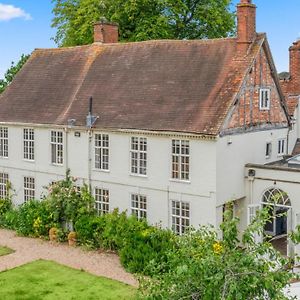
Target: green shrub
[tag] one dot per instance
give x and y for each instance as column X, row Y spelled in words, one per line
column 68, row 203
column 137, row 243
column 35, row 218
column 146, row 249
column 90, row 230
column 115, row 230
column 5, row 205
column 10, row 219
column 141, row 246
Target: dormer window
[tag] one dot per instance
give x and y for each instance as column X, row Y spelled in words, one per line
column 264, row 99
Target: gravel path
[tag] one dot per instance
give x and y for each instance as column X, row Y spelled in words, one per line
column 30, row 249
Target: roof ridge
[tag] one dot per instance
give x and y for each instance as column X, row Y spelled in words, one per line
column 162, row 41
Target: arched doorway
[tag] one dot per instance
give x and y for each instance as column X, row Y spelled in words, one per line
column 279, row 205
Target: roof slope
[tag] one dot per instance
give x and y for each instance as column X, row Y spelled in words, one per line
column 184, row 86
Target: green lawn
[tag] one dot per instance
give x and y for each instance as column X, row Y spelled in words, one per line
column 48, row 280
column 5, row 251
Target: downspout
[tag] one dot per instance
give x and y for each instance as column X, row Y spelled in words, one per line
column 90, row 121
column 66, row 150
column 287, row 141
column 90, row 137
column 251, row 192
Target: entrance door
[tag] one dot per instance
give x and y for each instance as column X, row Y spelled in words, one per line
column 280, row 224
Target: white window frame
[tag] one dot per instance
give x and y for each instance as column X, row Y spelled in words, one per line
column 138, row 156
column 29, row 188
column 139, row 206
column 180, row 216
column 28, row 144
column 264, row 98
column 281, row 146
column 4, row 142
column 253, row 209
column 101, row 151
column 268, row 147
column 3, row 185
column 180, row 160
column 101, row 200
column 57, row 147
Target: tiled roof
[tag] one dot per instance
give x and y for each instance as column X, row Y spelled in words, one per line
column 183, row 86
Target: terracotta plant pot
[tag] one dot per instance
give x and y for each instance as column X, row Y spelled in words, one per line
column 53, row 234
column 72, row 238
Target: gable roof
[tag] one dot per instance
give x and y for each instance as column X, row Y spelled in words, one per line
column 181, row 86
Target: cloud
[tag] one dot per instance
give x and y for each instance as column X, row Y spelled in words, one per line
column 8, row 12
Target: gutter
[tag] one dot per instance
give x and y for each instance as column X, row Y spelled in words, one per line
column 118, row 130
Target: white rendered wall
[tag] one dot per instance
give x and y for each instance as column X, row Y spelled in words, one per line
column 158, row 186
column 234, row 152
column 286, row 180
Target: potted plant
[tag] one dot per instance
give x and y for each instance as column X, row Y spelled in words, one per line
column 72, row 238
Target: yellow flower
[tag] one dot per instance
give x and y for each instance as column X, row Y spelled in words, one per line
column 37, row 223
column 217, row 247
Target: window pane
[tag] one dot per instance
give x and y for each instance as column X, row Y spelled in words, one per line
column 102, row 151
column 180, row 216
column 139, row 156
column 139, row 206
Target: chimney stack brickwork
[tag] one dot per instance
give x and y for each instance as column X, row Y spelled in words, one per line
column 246, row 23
column 106, row 32
column 291, row 86
column 295, row 67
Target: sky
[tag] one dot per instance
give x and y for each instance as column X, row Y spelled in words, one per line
column 26, row 25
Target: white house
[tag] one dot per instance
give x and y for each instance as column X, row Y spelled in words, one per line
column 173, row 131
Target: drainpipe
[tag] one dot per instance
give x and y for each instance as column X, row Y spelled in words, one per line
column 250, row 202
column 287, row 141
column 90, row 137
column 66, row 149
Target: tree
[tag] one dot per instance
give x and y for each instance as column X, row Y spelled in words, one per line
column 205, row 267
column 12, row 72
column 142, row 19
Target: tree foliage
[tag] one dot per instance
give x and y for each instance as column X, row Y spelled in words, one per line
column 204, row 266
column 142, row 19
column 12, row 71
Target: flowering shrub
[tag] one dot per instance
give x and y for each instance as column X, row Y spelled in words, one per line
column 63, row 205
column 68, row 203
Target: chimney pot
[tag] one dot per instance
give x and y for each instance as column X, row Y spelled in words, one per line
column 106, row 32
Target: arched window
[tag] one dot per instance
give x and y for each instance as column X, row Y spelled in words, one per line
column 276, row 196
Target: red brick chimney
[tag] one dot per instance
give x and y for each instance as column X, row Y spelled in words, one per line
column 291, row 85
column 106, row 32
column 295, row 68
column 246, row 23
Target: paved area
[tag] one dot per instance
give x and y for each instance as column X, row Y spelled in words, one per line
column 29, row 249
